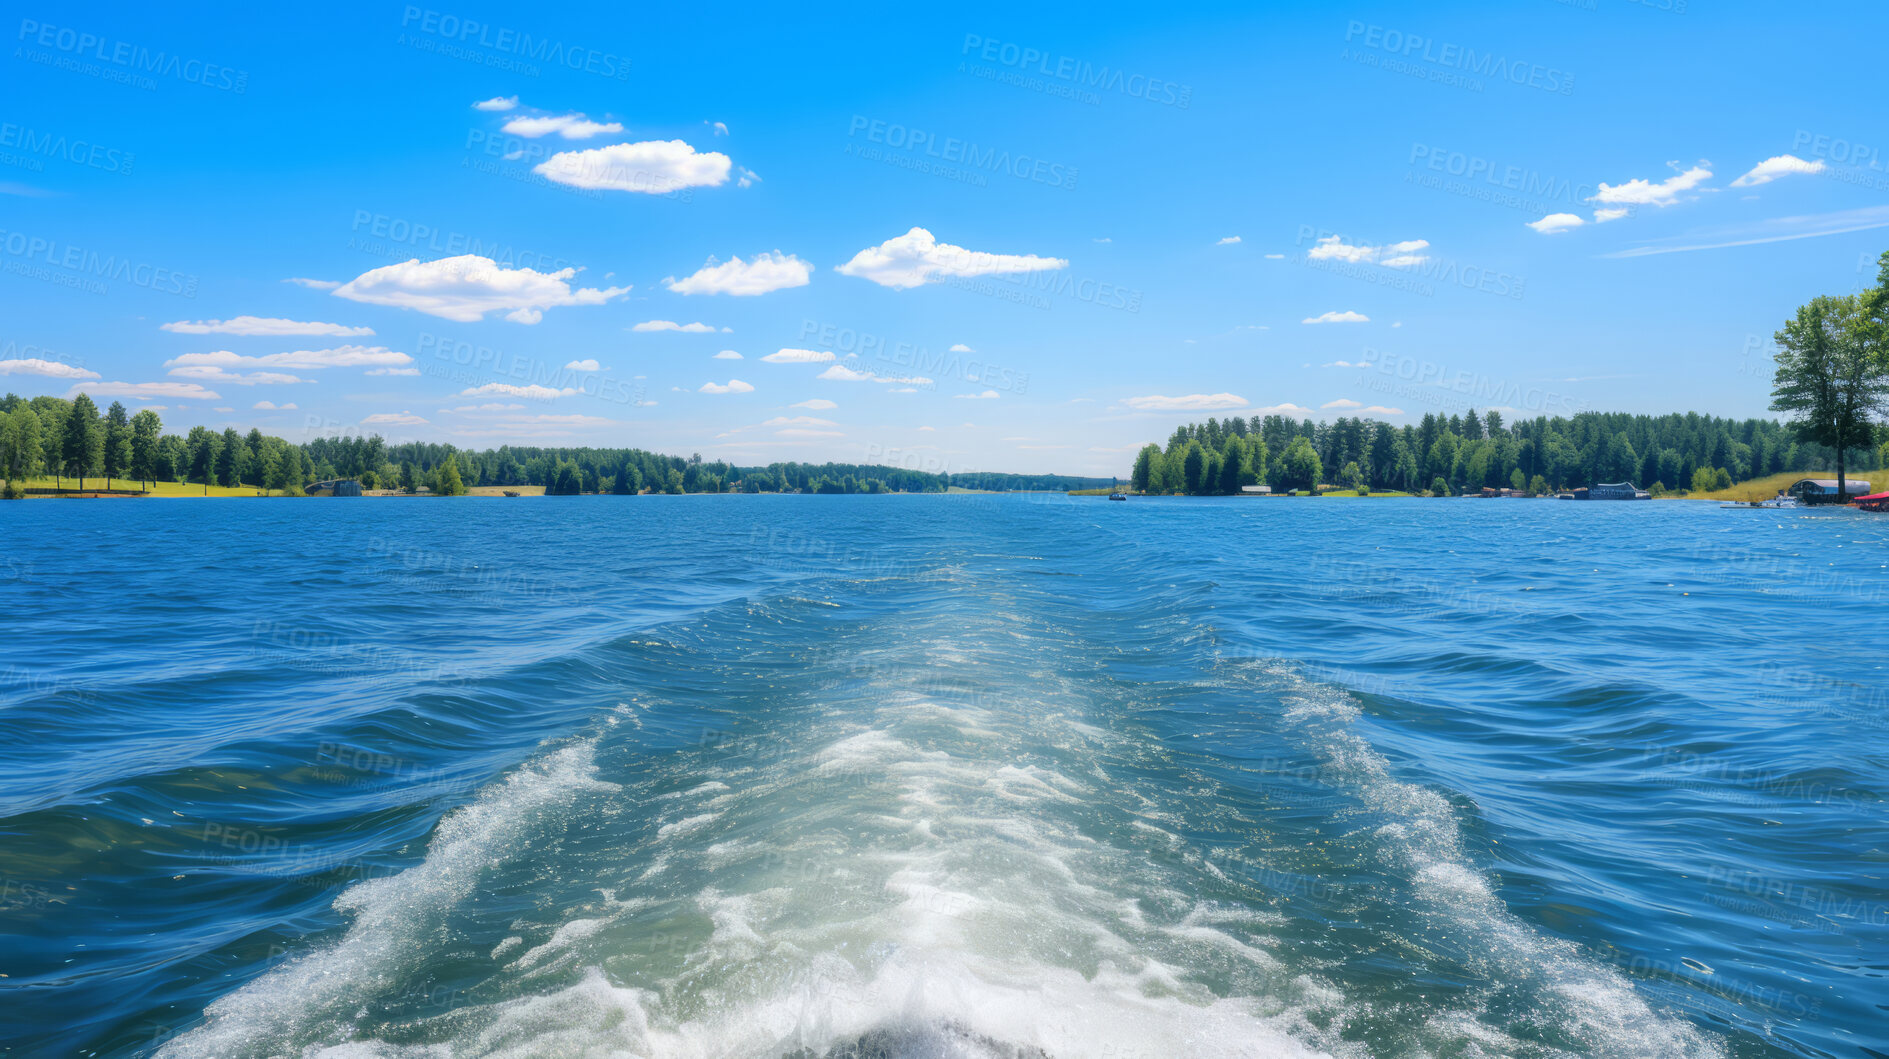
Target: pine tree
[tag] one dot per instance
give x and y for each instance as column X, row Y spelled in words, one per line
column 117, row 449
column 84, row 445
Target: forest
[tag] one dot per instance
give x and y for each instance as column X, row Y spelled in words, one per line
column 1450, row 455
column 61, row 439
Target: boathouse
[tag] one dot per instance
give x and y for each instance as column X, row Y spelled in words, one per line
column 1824, row 490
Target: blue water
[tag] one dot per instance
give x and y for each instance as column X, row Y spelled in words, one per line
column 942, row 776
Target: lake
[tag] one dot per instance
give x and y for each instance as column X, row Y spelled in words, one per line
column 956, row 775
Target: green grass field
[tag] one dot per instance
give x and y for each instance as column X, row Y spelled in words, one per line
column 155, row 488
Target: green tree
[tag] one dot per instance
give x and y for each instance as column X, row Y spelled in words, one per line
column 1517, row 480
column 117, row 450
column 1143, row 474
column 1538, row 486
column 369, row 480
column 84, row 446
column 21, row 449
column 146, row 431
column 1228, row 482
column 1354, row 479
column 446, row 480
column 1439, row 487
column 1193, row 468
column 1832, row 376
column 409, row 477
column 674, row 485
column 1300, row 466
column 229, row 458
column 203, row 447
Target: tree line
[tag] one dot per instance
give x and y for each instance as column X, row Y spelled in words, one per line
column 1449, row 455
column 70, row 439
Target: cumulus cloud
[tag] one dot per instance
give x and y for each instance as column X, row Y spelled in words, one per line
column 1603, row 216
column 987, row 395
column 587, row 364
column 767, row 272
column 959, row 347
column 1228, row 241
column 727, row 354
column 395, row 419
column 225, row 366
column 801, row 432
column 1776, row 166
column 842, row 373
column 52, row 369
column 1193, row 402
column 1639, row 192
column 181, row 391
column 262, row 325
column 1343, row 403
column 697, row 328
column 1557, row 222
column 799, row 421
column 734, row 386
column 1334, row 317
column 817, row 404
column 569, row 126
column 653, row 167
column 798, row 356
column 1378, row 409
column 313, row 284
column 1392, row 255
column 497, row 103
column 506, row 389
column 271, row 406
column 916, row 258
column 466, row 287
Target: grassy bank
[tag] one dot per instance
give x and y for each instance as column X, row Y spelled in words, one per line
column 1768, row 487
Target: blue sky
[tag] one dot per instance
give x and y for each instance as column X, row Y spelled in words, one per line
column 1125, row 217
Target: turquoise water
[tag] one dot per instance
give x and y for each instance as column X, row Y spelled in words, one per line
column 943, row 776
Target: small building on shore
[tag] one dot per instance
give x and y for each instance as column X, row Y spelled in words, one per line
column 1256, row 490
column 1824, row 490
column 1616, row 491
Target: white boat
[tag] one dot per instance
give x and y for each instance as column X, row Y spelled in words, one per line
column 1780, row 500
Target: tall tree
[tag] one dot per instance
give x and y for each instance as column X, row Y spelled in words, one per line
column 84, row 443
column 146, row 430
column 203, row 450
column 1829, row 379
column 230, row 458
column 117, row 449
column 20, row 445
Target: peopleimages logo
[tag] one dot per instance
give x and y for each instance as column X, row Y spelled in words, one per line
column 1078, row 72
column 132, row 57
column 470, row 32
column 964, row 153
column 1417, row 48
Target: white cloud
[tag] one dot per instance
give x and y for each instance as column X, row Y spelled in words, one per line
column 262, row 325
column 817, row 404
column 1343, row 364
column 1228, row 241
column 587, row 364
column 1772, row 168
column 52, row 369
column 1193, row 402
column 1378, row 409
column 915, row 259
column 987, row 395
column 1287, row 409
column 396, row 419
column 767, row 272
column 1639, row 192
column 1393, row 255
column 497, row 103
column 727, row 354
column 1342, row 402
column 569, row 126
column 721, row 129
column 271, row 406
column 466, row 287
column 1557, row 222
column 225, row 366
column 748, row 177
column 798, row 432
column 653, row 167
column 393, row 371
column 799, row 356
column 490, row 406
column 933, row 429
column 506, row 389
column 1275, row 257
column 959, row 347
column 799, row 421
column 1334, row 317
column 734, row 386
column 313, row 284
column 183, row 391
column 842, row 373
column 697, row 328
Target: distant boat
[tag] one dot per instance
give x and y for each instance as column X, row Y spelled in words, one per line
column 511, row 492
column 1116, row 496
